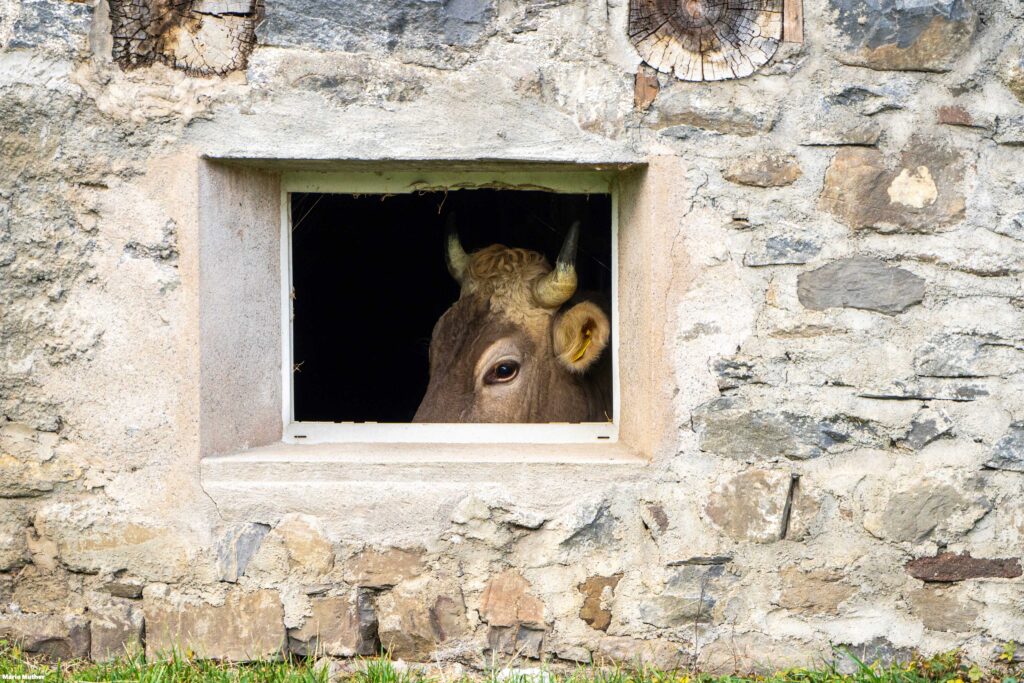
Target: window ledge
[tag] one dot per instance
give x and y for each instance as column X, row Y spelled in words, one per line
column 391, row 493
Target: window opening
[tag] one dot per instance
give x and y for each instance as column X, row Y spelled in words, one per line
column 369, row 281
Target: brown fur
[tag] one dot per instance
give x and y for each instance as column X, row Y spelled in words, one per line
column 504, row 277
column 496, row 310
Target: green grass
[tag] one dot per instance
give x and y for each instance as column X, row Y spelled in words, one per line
column 179, row 668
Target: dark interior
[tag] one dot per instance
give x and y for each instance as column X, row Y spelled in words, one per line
column 370, row 281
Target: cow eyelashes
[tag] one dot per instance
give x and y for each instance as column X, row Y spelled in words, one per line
column 502, row 372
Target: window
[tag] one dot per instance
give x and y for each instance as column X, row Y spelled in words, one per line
column 364, row 280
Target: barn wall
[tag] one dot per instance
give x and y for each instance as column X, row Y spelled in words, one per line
column 840, row 339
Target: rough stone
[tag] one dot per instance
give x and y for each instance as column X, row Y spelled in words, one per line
column 966, row 355
column 691, row 593
column 339, row 626
column 927, row 426
column 645, row 87
column 383, row 568
column 953, row 567
column 248, row 626
column 923, row 192
column 860, row 282
column 416, row 617
column 91, row 540
column 308, row 549
column 1010, row 130
column 14, row 551
column 61, row 27
column 701, row 109
column 404, row 24
column 53, row 637
column 31, row 462
column 124, row 588
column 730, row 429
column 942, row 609
column 517, row 641
column 764, row 169
column 654, row 518
column 658, row 653
column 41, row 591
column 914, row 514
column 750, row 506
column 507, row 601
column 597, row 592
column 1008, row 453
column 813, row 592
column 927, row 36
column 778, row 250
column 875, row 651
column 237, row 547
column 1011, row 226
column 115, row 631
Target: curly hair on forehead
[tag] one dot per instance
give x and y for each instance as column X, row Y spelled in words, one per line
column 505, row 275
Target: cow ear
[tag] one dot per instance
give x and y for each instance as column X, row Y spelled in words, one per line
column 580, row 336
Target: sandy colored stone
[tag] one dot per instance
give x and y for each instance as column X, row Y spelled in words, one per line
column 383, row 568
column 507, row 601
column 339, row 626
column 813, row 592
column 14, row 551
column 763, row 169
column 943, row 609
column 633, row 651
column 115, row 631
column 32, row 462
column 50, row 636
column 750, row 505
column 597, row 592
column 40, row 591
column 92, row 538
column 417, row 617
column 308, row 549
column 922, row 191
column 923, row 509
column 246, row 627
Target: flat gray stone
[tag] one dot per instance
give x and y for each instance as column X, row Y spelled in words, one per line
column 966, row 355
column 237, row 547
column 778, row 250
column 738, row 432
column 354, row 25
column 927, row 426
column 860, row 282
column 1008, row 453
column 55, row 24
column 1010, row 130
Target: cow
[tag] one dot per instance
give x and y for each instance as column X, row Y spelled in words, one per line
column 520, row 344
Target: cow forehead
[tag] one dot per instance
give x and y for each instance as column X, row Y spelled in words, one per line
column 504, row 278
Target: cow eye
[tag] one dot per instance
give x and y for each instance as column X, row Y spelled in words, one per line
column 504, row 371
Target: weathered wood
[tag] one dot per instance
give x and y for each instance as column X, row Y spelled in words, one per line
column 706, row 40
column 793, row 21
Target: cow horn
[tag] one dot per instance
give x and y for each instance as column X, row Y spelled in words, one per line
column 558, row 286
column 454, row 255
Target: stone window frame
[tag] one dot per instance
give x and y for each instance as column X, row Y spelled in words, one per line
column 231, row 252
column 402, row 181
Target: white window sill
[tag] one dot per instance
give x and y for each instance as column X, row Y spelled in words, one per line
column 389, row 493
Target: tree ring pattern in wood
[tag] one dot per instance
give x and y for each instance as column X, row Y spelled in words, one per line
column 705, row 40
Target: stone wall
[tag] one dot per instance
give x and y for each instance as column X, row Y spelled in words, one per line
column 844, row 332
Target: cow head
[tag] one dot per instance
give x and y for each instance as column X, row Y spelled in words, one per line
column 513, row 348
